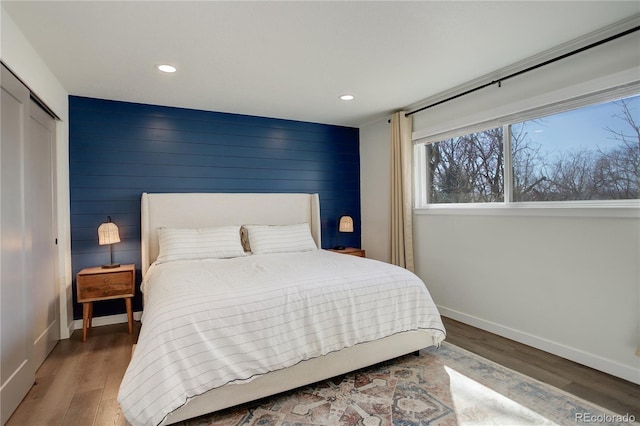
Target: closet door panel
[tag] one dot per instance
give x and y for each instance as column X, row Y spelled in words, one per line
column 16, row 329
column 40, row 209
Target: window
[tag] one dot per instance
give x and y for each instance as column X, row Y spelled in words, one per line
column 589, row 153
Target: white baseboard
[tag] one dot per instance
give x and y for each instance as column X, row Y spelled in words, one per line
column 67, row 331
column 606, row 365
column 107, row 320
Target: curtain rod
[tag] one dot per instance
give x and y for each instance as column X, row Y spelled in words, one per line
column 531, row 68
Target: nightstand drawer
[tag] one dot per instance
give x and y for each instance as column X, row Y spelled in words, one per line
column 100, row 286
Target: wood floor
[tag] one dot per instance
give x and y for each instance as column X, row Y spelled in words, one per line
column 78, row 383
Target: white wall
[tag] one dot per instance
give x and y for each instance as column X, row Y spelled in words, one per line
column 567, row 283
column 21, row 58
column 374, row 186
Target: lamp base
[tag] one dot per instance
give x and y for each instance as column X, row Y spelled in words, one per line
column 111, row 265
column 339, row 248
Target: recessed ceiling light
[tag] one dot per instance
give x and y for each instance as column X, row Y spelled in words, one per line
column 347, row 97
column 166, row 68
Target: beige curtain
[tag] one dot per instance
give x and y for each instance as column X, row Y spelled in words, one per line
column 401, row 229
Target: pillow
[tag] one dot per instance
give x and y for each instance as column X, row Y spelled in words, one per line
column 280, row 238
column 199, row 243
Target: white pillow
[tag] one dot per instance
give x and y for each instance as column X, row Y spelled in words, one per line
column 266, row 239
column 199, row 243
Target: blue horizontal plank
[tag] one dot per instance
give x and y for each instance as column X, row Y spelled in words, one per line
column 135, row 194
column 128, row 147
column 170, row 171
column 127, row 231
column 95, row 219
column 121, row 250
column 80, row 261
column 99, row 206
column 238, row 184
column 100, row 155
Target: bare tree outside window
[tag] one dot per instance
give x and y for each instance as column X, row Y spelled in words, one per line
column 467, row 169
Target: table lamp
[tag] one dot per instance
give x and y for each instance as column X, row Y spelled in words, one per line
column 346, row 225
column 108, row 234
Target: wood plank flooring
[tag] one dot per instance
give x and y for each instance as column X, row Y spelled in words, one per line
column 78, row 383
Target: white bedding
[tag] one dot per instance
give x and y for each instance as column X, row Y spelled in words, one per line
column 207, row 323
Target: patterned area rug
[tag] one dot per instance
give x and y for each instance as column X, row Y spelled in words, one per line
column 444, row 386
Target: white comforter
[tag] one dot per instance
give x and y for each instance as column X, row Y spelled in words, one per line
column 211, row 322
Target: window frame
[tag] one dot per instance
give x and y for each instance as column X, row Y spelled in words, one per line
column 599, row 208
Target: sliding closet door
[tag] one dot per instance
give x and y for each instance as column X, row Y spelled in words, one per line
column 40, row 218
column 17, row 369
column 28, row 291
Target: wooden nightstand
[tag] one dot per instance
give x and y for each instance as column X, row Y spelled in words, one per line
column 352, row 251
column 96, row 284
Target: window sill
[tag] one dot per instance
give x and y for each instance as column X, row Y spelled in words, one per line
column 619, row 209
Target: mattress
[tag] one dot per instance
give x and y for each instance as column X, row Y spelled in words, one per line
column 208, row 323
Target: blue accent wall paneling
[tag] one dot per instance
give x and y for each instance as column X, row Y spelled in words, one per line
column 118, row 150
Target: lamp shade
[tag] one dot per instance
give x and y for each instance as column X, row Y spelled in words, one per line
column 346, row 224
column 108, row 233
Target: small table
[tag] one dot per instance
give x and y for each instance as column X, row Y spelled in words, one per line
column 352, row 251
column 96, row 284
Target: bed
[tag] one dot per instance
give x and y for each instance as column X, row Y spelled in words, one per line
column 224, row 329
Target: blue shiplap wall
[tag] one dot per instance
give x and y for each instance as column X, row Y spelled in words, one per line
column 117, row 150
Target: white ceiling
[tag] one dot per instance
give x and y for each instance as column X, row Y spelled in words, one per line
column 293, row 59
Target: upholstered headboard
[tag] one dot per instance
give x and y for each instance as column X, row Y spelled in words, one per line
column 200, row 210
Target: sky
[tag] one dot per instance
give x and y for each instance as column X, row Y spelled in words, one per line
column 584, row 127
